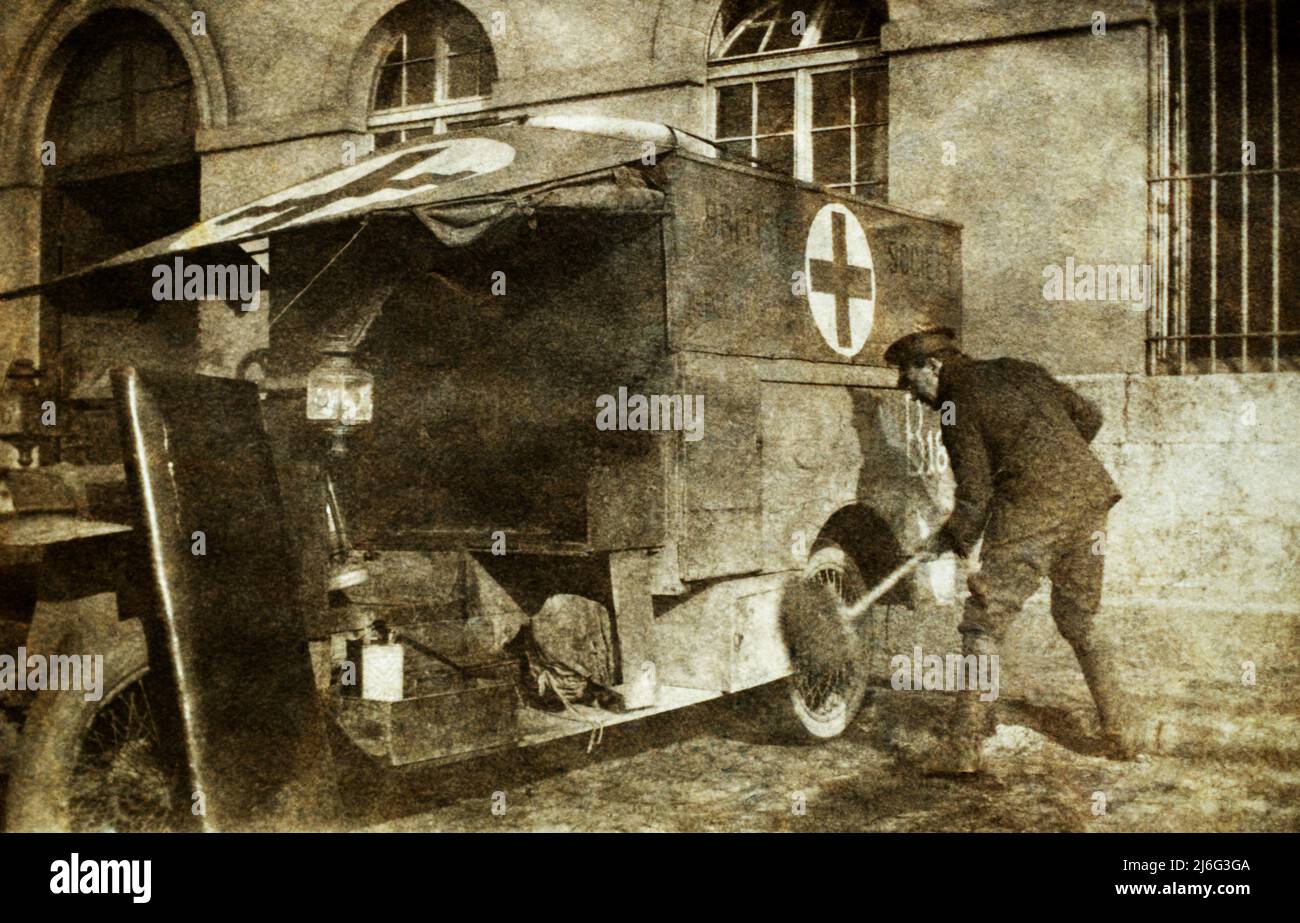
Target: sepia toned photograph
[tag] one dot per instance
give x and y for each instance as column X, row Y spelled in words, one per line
column 626, row 416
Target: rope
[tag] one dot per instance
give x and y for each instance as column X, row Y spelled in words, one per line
column 312, row 281
column 545, row 679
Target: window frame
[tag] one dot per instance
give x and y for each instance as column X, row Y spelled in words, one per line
column 801, row 66
column 1172, row 227
column 130, row 155
column 441, row 114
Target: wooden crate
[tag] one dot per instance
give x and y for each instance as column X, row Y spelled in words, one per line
column 444, row 715
column 443, row 726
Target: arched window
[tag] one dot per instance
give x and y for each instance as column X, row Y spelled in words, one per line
column 799, row 86
column 122, row 120
column 438, row 72
column 125, row 102
column 124, row 172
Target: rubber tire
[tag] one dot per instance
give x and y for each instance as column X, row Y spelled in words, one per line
column 829, row 725
column 50, row 743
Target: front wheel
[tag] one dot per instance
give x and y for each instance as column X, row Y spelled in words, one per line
column 98, row 766
column 824, row 706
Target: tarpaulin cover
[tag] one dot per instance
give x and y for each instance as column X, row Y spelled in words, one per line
column 459, row 223
column 457, row 184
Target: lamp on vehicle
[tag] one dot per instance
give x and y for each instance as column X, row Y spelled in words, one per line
column 340, row 397
column 339, row 394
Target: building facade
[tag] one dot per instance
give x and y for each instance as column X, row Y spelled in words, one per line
column 1125, row 173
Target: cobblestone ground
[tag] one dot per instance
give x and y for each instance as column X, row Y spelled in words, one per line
column 723, row 766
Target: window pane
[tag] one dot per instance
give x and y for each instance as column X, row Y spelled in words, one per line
column 388, row 91
column 163, row 117
column 1259, row 93
column 845, row 22
column 871, row 95
column 1197, row 269
column 878, row 191
column 1289, row 252
column 873, row 154
column 831, row 157
column 775, row 106
column 749, row 40
column 463, row 33
column 830, row 99
column 734, row 112
column 395, row 56
column 1288, row 76
column 783, row 36
column 777, row 153
column 421, row 42
column 1229, row 89
column 738, row 150
column 462, row 76
column 1197, row 78
column 420, row 80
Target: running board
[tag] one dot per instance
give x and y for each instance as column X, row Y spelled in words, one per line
column 537, row 727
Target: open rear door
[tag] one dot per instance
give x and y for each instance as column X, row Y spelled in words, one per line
column 198, row 461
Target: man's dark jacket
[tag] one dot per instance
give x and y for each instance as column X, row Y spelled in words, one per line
column 1018, row 442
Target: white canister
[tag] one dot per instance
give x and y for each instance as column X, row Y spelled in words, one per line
column 941, row 574
column 381, row 672
column 642, row 690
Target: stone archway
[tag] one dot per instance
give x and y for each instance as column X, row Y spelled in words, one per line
column 46, row 206
column 46, row 55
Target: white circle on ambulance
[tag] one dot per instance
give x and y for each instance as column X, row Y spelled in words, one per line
column 841, row 279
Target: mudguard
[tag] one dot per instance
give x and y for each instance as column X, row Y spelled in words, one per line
column 200, row 470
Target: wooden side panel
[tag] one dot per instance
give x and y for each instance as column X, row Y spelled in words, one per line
column 627, row 496
column 630, row 574
column 719, row 473
column 740, row 241
column 724, row 637
column 829, row 446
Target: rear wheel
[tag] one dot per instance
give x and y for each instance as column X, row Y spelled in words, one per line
column 98, row 766
column 826, row 705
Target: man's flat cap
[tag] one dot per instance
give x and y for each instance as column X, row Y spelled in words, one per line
column 915, row 348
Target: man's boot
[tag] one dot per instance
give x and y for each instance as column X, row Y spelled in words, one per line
column 1121, row 732
column 970, row 723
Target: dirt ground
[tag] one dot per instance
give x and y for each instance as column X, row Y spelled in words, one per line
column 723, row 766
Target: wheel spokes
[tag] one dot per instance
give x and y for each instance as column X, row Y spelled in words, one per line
column 823, row 694
column 120, row 781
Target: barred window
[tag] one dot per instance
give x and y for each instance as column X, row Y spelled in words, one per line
column 799, row 87
column 438, row 73
column 1225, row 188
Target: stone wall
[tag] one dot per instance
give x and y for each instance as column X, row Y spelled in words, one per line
column 1036, row 143
column 1211, row 508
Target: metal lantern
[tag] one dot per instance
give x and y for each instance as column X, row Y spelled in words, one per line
column 339, row 393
